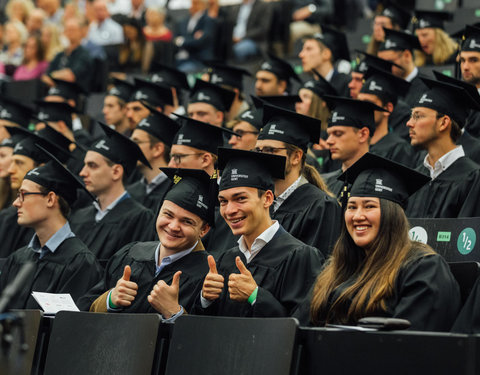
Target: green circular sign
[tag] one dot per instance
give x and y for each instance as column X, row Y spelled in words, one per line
column 466, row 241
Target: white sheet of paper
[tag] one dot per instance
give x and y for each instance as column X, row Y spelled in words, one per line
column 51, row 303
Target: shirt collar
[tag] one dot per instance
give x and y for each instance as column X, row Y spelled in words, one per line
column 259, row 242
column 283, row 197
column 329, row 75
column 112, row 205
column 53, row 242
column 171, row 258
column 444, row 162
column 412, row 75
column 156, row 181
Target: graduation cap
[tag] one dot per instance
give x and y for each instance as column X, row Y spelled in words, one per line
column 471, row 89
column 384, row 85
column 11, row 142
column 242, row 168
column 55, row 137
column 168, row 76
column 448, row 99
column 199, row 134
column 153, row 93
column 55, row 177
column 14, row 111
column 217, row 96
column 397, row 14
column 320, row 86
column 289, row 127
column 121, row 89
column 471, row 39
column 281, row 68
column 54, row 111
column 119, row 149
column 283, row 101
column 374, row 176
column 399, row 41
column 193, row 190
column 26, row 145
column 65, row 89
column 430, row 18
column 376, row 62
column 352, row 112
column 253, row 116
column 222, row 74
column 159, row 125
column 336, row 41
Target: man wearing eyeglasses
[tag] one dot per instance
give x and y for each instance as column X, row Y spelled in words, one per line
column 62, row 262
column 247, row 126
column 154, row 136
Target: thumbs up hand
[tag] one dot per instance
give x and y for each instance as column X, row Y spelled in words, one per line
column 213, row 283
column 241, row 285
column 125, row 291
column 164, row 297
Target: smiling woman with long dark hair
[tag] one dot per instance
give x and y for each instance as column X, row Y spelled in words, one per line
column 375, row 269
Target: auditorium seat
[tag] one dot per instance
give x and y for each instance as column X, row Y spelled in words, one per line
column 466, row 273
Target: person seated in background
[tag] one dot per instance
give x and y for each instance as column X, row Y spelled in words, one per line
column 34, row 64
column 155, row 29
column 103, row 30
column 131, row 54
column 375, row 269
column 11, row 55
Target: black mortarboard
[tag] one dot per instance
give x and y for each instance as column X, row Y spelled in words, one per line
column 55, row 177
column 217, row 96
column 371, row 60
column 336, row 41
column 14, row 111
column 399, row 41
column 447, row 99
column 119, row 149
column 281, row 68
column 168, row 76
column 398, row 14
column 57, row 138
column 54, row 111
column 385, row 85
column 374, row 176
column 200, row 135
column 430, row 18
column 471, row 39
column 289, row 127
column 12, row 141
column 283, row 101
column 352, row 112
column 320, row 86
column 65, row 89
column 159, row 125
column 222, row 74
column 121, row 89
column 242, row 168
column 253, row 116
column 26, row 146
column 193, row 190
column 471, row 89
column 154, row 94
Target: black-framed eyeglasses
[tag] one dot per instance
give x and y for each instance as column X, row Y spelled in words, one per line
column 241, row 133
column 177, row 158
column 138, row 142
column 22, row 194
column 268, row 149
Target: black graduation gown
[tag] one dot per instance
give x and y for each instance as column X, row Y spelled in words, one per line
column 333, row 183
column 340, row 83
column 284, row 271
column 219, row 238
column 452, row 194
column 152, row 201
column 311, row 216
column 471, row 146
column 425, row 293
column 71, row 269
column 397, row 121
column 328, row 164
column 129, row 221
column 395, row 148
column 472, row 123
column 468, row 320
column 12, row 235
column 416, row 90
column 140, row 256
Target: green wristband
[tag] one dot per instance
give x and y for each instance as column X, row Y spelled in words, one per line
column 110, row 303
column 253, row 296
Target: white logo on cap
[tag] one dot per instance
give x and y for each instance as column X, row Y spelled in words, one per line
column 473, row 44
column 216, row 78
column 5, row 114
column 388, row 13
column 390, row 44
column 336, row 117
column 266, row 66
column 318, row 36
column 43, row 116
column 273, row 130
column 425, row 99
column 157, row 78
column 202, row 96
column 423, row 24
column 248, row 114
column 34, row 172
column 140, row 95
column 380, row 187
column 235, row 175
column 363, row 67
column 181, row 140
column 145, row 123
column 114, row 91
column 309, row 84
column 200, row 203
column 373, row 86
column 53, row 91
column 101, row 144
column 18, row 147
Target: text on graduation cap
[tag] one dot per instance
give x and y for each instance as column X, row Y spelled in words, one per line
column 425, row 99
column 101, row 144
column 373, row 86
column 473, row 44
column 336, row 117
column 248, row 114
column 235, row 175
column 273, row 130
column 200, row 203
column 380, row 187
column 181, row 140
